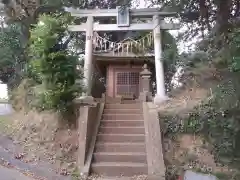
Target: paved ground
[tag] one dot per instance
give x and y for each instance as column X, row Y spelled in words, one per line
column 5, row 109
column 12, row 174
column 9, row 173
column 39, row 169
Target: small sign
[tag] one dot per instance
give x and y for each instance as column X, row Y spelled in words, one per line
column 123, row 16
column 89, row 37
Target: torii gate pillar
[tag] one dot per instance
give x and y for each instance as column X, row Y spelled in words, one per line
column 88, row 60
column 160, row 84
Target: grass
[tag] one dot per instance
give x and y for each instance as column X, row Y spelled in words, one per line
column 75, row 174
column 222, row 176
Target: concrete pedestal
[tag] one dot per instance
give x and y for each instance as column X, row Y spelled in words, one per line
column 158, row 99
column 85, row 100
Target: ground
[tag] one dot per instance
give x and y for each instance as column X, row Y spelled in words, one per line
column 12, row 174
column 33, row 142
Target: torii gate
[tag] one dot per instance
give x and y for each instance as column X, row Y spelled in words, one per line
column 124, row 17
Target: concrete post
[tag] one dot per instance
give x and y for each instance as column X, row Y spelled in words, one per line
column 88, row 61
column 83, row 105
column 160, row 95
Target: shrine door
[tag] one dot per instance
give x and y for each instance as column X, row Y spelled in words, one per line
column 127, row 83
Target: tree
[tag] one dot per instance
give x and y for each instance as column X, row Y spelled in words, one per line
column 12, row 55
column 52, row 65
column 206, row 12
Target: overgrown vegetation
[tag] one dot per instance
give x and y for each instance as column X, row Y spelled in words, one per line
column 12, row 55
column 216, row 118
column 235, row 49
column 52, row 65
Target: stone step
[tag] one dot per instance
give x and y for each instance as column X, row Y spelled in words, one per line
column 122, row 116
column 120, row 147
column 121, row 123
column 121, row 138
column 123, row 106
column 119, row 169
column 121, row 130
column 122, row 111
column 129, row 101
column 120, row 157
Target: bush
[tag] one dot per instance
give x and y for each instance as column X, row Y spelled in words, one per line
column 52, row 65
column 218, row 120
column 235, row 50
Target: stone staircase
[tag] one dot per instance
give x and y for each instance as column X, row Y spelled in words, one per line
column 120, row 146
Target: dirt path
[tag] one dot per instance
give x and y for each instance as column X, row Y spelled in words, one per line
column 36, row 170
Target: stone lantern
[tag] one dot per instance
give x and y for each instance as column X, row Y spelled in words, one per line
column 145, row 75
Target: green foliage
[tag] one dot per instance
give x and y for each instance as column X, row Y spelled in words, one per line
column 11, row 53
column 235, row 49
column 170, row 49
column 219, row 120
column 52, row 65
column 194, row 58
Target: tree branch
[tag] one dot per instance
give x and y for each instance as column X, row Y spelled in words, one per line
column 19, row 2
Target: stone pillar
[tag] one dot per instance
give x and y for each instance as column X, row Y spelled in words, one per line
column 83, row 104
column 145, row 94
column 88, row 61
column 160, row 85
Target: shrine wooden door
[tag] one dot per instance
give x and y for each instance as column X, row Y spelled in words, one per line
column 127, row 83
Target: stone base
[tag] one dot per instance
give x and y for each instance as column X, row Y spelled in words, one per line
column 145, row 96
column 160, row 99
column 85, row 100
column 156, row 177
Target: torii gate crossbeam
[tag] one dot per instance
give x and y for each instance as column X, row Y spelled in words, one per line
column 132, row 27
column 144, row 12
